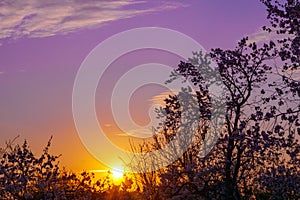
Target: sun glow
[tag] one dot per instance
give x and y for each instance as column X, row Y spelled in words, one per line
column 117, row 172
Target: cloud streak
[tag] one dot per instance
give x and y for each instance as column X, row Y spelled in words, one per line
column 159, row 99
column 34, row 18
column 264, row 36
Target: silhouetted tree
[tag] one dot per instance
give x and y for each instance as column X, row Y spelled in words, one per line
column 257, row 153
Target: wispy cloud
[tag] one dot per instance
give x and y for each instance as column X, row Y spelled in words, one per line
column 1, row 72
column 259, row 36
column 35, row 18
column 138, row 133
column 108, row 125
column 159, row 99
column 98, row 171
column 264, row 36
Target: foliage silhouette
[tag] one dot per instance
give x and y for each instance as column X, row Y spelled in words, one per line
column 257, row 154
column 24, row 175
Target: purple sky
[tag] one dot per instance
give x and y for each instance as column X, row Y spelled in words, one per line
column 43, row 44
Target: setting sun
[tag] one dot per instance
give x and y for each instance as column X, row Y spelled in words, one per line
column 117, row 172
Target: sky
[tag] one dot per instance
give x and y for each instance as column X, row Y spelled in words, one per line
column 43, row 44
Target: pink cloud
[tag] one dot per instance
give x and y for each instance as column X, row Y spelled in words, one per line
column 36, row 18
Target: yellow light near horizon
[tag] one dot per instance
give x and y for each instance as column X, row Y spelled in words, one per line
column 117, row 172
